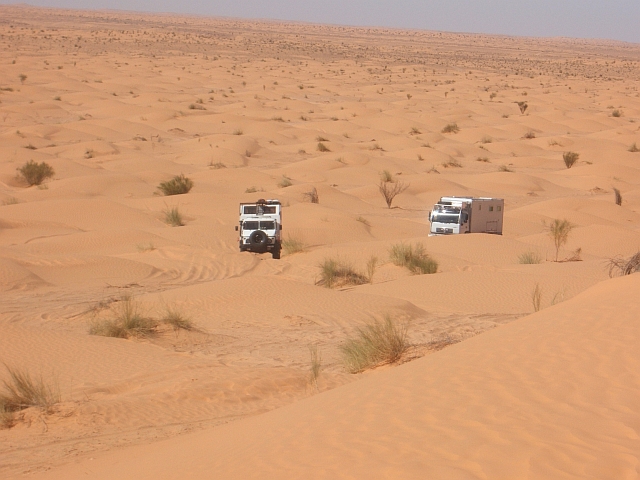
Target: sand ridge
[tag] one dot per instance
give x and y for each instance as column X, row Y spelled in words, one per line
column 118, row 102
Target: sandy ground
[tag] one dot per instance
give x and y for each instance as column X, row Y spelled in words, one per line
column 117, row 103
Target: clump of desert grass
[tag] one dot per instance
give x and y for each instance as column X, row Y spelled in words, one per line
column 284, row 182
column 176, row 319
column 451, row 128
column 35, row 173
column 620, row 266
column 173, row 217
column 22, row 391
column 316, row 364
column 618, row 196
column 559, row 232
column 504, row 168
column 293, row 244
column 178, row 185
column 321, row 147
column 338, row 273
column 530, row 258
column 413, row 257
column 379, row 342
column 127, row 320
column 634, row 148
column 312, row 195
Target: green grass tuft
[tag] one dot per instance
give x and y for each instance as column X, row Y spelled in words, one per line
column 126, row 322
column 178, row 185
column 22, row 391
column 414, row 258
column 336, row 273
column 530, row 258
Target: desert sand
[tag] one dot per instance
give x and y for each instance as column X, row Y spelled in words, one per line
column 490, row 388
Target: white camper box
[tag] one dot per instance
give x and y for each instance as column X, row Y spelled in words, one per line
column 454, row 215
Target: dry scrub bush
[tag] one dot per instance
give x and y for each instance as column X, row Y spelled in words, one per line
column 634, row 148
column 559, row 232
column 312, row 195
column 390, row 190
column 536, row 298
column 379, row 342
column 178, row 185
column 322, row 147
column 570, row 158
column 173, row 217
column 316, row 364
column 504, row 168
column 372, row 263
column 620, row 266
column 292, row 245
column 337, row 273
column 451, row 128
column 413, row 257
column 530, row 134
column 523, row 106
column 284, row 182
column 22, row 391
column 386, row 176
column 35, row 173
column 618, row 196
column 127, row 322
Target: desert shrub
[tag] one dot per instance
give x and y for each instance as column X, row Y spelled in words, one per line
column 451, row 128
column 22, row 77
column 176, row 186
column 284, row 182
column 176, row 319
column 196, row 106
column 634, row 148
column 173, row 217
column 217, row 165
column 530, row 258
column 414, row 130
column 238, row 131
column 570, row 158
column 530, row 134
column 486, row 139
column 616, row 113
column 277, row 119
column 10, row 201
column 251, row 190
column 559, row 232
column 386, row 176
column 536, row 298
column 483, row 159
column 413, row 257
column 35, row 173
column 316, row 364
column 6, row 417
column 22, row 391
column 320, row 138
column 127, row 321
column 292, row 245
column 363, row 221
column 618, row 196
column 504, row 168
column 452, row 162
column 390, row 190
column 336, row 273
column 322, row 147
column 312, row 195
column 522, row 106
column 381, row 341
column 372, row 263
column 620, row 266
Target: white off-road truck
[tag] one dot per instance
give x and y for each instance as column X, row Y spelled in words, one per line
column 455, row 215
column 261, row 227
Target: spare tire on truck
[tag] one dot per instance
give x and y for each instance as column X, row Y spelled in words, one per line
column 258, row 239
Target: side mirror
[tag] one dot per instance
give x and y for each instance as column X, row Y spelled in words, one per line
column 236, row 228
column 280, row 227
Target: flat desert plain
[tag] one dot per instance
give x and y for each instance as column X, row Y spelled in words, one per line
column 518, row 365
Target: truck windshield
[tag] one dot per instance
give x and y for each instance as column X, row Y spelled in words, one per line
column 255, row 225
column 445, row 218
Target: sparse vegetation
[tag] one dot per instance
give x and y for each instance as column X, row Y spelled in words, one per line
column 379, row 342
column 570, row 158
column 176, row 319
column 529, row 135
column 10, row 201
column 127, row 321
column 618, row 196
column 620, row 266
column 486, row 139
column 35, row 173
column 390, row 190
column 22, row 391
column 173, row 217
column 451, row 128
column 536, row 298
column 316, row 364
column 483, row 159
column 616, row 113
column 504, row 168
column 452, row 162
column 284, row 182
column 293, row 244
column 634, row 148
column 277, row 119
column 320, row 138
column 386, row 176
column 322, row 147
column 217, row 165
column 372, row 263
column 251, row 190
column 413, row 257
column 178, row 185
column 522, row 106
column 415, row 130
column 312, row 195
column 559, row 232
column 337, row 273
column 363, row 221
column 530, row 258
column 22, row 77
column 238, row 131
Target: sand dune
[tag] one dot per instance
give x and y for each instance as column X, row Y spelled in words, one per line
column 117, row 103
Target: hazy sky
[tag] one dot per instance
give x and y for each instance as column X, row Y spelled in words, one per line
column 615, row 19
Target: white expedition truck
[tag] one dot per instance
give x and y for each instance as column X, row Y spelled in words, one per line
column 261, row 227
column 453, row 215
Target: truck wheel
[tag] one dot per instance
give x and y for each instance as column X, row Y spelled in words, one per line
column 275, row 253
